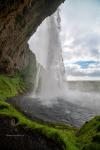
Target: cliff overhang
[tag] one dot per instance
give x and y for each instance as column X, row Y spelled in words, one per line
column 18, row 21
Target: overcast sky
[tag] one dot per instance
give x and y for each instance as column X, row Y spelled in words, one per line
column 80, row 21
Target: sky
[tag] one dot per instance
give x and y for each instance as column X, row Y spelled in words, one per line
column 80, row 35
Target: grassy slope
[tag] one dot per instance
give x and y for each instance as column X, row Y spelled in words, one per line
column 89, row 135
column 10, row 86
column 87, row 138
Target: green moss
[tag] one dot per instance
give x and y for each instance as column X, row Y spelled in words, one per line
column 10, row 86
column 89, row 135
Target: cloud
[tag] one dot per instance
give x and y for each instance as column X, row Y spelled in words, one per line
column 75, row 69
column 86, row 47
column 81, row 37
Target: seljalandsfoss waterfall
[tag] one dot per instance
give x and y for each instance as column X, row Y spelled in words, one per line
column 46, row 46
column 51, row 99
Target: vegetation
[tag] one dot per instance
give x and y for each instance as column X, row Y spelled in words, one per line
column 10, row 86
column 86, row 138
column 89, row 135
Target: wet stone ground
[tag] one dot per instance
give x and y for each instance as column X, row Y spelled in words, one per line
column 60, row 112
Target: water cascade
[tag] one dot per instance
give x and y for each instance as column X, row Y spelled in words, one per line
column 50, row 84
column 46, row 46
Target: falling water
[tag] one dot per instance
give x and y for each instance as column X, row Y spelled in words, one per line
column 50, row 85
column 46, row 46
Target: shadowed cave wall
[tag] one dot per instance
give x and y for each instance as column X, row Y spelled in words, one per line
column 18, row 21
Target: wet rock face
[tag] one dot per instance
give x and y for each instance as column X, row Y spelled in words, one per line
column 18, row 21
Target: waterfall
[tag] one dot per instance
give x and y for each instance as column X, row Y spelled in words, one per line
column 49, row 84
column 46, row 46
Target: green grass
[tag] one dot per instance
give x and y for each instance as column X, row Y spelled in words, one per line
column 85, row 138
